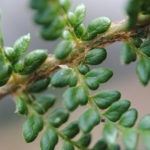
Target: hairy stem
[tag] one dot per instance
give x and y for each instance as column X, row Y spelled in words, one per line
column 117, row 32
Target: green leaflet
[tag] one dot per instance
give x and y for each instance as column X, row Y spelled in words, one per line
column 10, row 54
column 96, row 76
column 82, row 95
column 92, row 83
column 75, row 96
column 80, row 13
column 58, row 117
column 32, row 126
column 102, row 74
column 63, row 49
column 45, row 16
column 32, row 61
column 127, row 53
column 95, row 56
column 66, row 35
column 70, row 100
column 73, row 79
column 79, row 30
column 146, row 139
column 110, row 133
column 19, row 49
column 144, row 123
column 72, row 18
column 67, row 146
column 49, row 140
column 129, row 118
column 61, row 78
column 64, row 77
column 85, row 140
column 39, row 85
column 88, row 120
column 53, row 30
column 132, row 10
column 83, row 69
column 38, row 4
column 42, row 104
column 145, row 7
column 21, row 106
column 78, row 16
column 117, row 109
column 5, row 73
column 18, row 67
column 65, row 4
column 145, row 47
column 96, row 26
column 130, row 139
column 136, row 41
column 71, row 130
column 143, row 70
column 100, row 145
column 106, row 98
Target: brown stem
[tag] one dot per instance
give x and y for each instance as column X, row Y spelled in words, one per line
column 117, row 32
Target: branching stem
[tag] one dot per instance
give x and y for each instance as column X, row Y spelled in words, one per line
column 117, row 32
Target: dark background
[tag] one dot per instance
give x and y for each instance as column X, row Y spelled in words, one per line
column 17, row 21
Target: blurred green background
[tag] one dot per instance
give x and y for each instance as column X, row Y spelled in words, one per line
column 17, row 21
